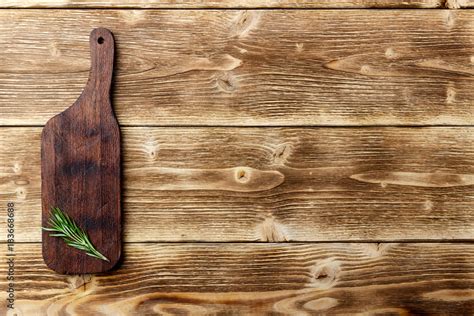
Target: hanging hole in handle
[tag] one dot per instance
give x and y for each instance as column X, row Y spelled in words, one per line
column 100, row 40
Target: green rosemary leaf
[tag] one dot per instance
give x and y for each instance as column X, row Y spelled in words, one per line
column 64, row 227
column 57, row 235
column 50, row 229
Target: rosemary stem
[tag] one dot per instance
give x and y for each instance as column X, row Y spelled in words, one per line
column 63, row 226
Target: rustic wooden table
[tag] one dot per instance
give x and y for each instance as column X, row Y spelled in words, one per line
column 287, row 157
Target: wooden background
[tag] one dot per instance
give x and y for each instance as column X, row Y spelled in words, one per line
column 280, row 157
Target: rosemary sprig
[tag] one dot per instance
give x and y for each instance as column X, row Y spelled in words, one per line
column 63, row 226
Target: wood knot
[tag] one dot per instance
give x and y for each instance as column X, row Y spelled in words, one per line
column 428, row 205
column 17, row 168
column 238, row 179
column 374, row 250
column 299, row 47
column 281, row 154
column 75, row 282
column 450, row 95
column 454, row 4
column 272, row 231
column 390, row 53
column 365, row 70
column 226, row 82
column 325, row 273
column 54, row 50
column 244, row 22
column 450, row 19
column 83, row 283
column 151, row 148
column 133, row 17
column 21, row 193
column 89, row 283
column 242, row 175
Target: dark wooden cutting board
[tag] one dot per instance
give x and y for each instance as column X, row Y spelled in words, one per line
column 80, row 168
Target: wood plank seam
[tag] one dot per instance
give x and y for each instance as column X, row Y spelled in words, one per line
column 230, row 5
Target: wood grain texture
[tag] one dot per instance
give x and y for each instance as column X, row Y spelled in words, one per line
column 150, row 4
column 80, row 169
column 459, row 4
column 256, row 67
column 273, row 184
column 256, row 279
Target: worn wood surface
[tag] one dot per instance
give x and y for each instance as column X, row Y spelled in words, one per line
column 273, row 184
column 261, row 186
column 458, row 4
column 256, row 279
column 80, row 168
column 149, row 4
column 257, row 67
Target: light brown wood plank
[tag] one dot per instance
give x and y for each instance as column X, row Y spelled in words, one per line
column 254, row 279
column 273, row 184
column 186, row 4
column 236, row 67
column 459, row 4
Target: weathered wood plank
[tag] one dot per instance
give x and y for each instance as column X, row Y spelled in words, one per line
column 255, row 279
column 459, row 4
column 273, row 184
column 235, row 67
column 150, row 4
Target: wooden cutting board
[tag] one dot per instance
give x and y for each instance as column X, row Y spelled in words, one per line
column 80, row 168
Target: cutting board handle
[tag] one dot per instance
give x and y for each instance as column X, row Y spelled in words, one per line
column 102, row 61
